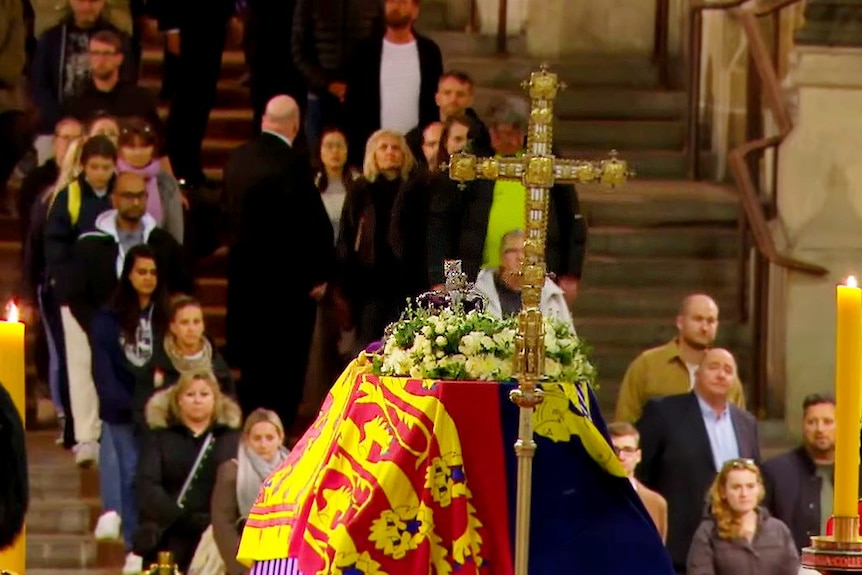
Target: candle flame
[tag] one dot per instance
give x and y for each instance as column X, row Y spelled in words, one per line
column 851, row 282
column 11, row 312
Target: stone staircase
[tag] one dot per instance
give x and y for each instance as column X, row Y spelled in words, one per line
column 64, row 506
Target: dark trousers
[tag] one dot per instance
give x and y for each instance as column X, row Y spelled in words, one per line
column 51, row 321
column 273, row 376
column 12, row 145
column 199, row 67
column 269, row 76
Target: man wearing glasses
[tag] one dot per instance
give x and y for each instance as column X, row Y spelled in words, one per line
column 626, row 441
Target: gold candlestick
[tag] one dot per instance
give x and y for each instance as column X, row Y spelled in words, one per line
column 164, row 565
column 842, row 551
column 538, row 169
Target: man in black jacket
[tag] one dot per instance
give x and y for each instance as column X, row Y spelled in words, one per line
column 799, row 483
column 326, row 34
column 454, row 97
column 98, row 255
column 393, row 80
column 268, row 187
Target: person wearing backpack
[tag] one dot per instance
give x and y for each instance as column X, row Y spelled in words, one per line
column 73, row 212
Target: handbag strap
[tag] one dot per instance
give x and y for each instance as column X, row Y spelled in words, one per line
column 202, row 453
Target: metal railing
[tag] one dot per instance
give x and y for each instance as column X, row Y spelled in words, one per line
column 744, row 161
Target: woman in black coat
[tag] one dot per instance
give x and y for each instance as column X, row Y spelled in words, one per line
column 190, row 423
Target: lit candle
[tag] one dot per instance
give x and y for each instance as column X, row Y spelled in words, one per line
column 12, row 377
column 848, row 397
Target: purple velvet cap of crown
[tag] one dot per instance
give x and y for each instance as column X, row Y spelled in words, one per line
column 374, row 347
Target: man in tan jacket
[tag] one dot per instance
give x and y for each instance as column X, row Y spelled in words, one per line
column 669, row 369
column 626, row 441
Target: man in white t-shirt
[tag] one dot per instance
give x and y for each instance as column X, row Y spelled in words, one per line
column 393, row 79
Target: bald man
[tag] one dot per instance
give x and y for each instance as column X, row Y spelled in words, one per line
column 269, row 195
column 670, row 369
column 686, row 439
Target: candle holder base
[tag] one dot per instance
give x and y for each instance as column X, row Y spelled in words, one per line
column 831, row 557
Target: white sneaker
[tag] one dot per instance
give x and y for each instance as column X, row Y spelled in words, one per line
column 108, row 526
column 134, row 564
column 87, row 454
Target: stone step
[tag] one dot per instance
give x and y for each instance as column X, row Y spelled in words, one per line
column 601, row 102
column 229, row 94
column 61, row 516
column 575, row 71
column 212, row 291
column 659, row 203
column 637, row 302
column 71, row 551
column 10, row 229
column 226, row 123
column 707, row 242
column 684, row 273
column 622, row 135
column 232, row 63
column 76, row 484
column 645, row 333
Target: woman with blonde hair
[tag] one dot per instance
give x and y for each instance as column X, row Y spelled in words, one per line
column 374, row 278
column 739, row 537
column 261, row 451
column 193, row 430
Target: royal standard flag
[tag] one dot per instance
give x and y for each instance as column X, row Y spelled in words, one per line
column 403, row 476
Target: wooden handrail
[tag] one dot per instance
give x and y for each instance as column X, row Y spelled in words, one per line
column 660, row 53
column 502, row 28
column 738, row 157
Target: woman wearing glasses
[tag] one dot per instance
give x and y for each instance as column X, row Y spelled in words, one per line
column 739, row 537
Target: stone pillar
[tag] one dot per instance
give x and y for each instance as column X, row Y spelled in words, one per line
column 820, row 195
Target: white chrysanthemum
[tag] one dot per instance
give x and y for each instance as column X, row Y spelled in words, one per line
column 486, row 342
column 440, row 341
column 470, row 344
column 397, row 363
column 483, row 367
column 421, row 346
column 551, row 345
column 426, row 331
column 505, row 338
column 552, row 368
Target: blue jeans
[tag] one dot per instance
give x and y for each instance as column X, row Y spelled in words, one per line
column 118, row 465
column 55, row 360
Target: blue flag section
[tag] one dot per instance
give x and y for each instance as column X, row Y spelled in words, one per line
column 584, row 520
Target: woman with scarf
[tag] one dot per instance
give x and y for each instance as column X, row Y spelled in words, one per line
column 187, row 350
column 137, row 154
column 260, row 452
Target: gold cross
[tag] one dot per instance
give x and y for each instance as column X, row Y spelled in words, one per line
column 538, row 169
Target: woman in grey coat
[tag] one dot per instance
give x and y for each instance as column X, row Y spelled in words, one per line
column 739, row 537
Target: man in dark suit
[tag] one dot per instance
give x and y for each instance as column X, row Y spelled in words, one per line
column 268, row 188
column 685, row 439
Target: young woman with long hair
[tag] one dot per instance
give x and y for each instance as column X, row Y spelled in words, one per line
column 740, row 537
column 122, row 339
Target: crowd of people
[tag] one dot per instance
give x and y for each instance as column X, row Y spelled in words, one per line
column 344, row 173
